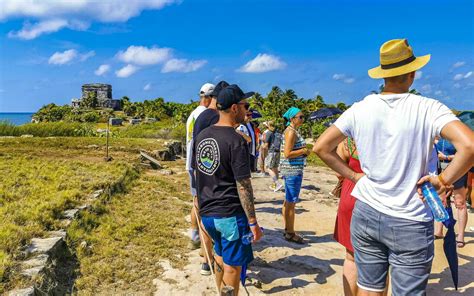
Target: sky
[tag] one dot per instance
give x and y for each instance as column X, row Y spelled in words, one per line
column 168, row 48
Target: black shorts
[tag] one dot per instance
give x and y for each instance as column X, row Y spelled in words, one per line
column 462, row 182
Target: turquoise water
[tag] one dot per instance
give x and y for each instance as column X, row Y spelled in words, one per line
column 16, row 118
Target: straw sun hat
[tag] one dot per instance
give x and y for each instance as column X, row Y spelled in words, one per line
column 396, row 58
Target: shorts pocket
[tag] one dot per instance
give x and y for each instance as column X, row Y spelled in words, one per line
column 411, row 244
column 228, row 228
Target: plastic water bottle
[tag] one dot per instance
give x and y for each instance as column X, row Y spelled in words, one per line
column 434, row 202
column 248, row 238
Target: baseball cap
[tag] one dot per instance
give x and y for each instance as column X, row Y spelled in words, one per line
column 220, row 86
column 206, row 89
column 231, row 95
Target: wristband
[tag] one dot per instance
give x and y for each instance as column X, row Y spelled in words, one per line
column 442, row 180
column 253, row 224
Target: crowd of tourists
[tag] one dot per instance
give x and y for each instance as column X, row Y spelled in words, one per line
column 383, row 148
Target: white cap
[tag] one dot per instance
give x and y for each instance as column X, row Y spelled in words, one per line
column 207, row 89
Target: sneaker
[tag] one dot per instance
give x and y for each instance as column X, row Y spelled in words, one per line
column 278, row 187
column 471, row 228
column 259, row 175
column 205, row 269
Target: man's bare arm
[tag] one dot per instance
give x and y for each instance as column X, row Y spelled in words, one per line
column 247, row 199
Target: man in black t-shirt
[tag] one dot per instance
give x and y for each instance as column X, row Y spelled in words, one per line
column 225, row 195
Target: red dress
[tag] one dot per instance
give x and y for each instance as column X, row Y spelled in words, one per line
column 342, row 229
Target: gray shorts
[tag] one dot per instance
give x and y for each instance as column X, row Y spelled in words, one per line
column 381, row 241
column 272, row 160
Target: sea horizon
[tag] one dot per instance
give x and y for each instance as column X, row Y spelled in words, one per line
column 16, row 118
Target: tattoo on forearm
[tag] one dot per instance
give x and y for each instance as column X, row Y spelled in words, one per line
column 246, row 197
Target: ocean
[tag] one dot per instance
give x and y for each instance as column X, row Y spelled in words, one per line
column 17, row 118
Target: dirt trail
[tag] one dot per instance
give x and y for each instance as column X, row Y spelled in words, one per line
column 282, row 268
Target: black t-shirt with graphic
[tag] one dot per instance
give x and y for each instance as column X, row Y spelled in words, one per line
column 221, row 157
column 207, row 118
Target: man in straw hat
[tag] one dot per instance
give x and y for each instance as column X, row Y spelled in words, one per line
column 391, row 225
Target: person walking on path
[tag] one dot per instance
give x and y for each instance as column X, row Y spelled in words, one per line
column 225, row 194
column 292, row 163
column 446, row 153
column 272, row 141
column 391, row 225
column 205, row 100
column 263, row 149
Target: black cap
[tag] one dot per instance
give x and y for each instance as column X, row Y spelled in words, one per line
column 220, row 86
column 231, row 95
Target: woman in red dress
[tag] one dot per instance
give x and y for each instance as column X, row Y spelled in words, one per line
column 342, row 230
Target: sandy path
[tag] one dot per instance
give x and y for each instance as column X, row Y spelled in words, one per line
column 315, row 268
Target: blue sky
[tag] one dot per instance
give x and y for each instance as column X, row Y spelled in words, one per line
column 166, row 48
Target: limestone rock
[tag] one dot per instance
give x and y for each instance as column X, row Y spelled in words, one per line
column 48, row 246
column 175, row 146
column 70, row 214
column 165, row 155
column 23, row 292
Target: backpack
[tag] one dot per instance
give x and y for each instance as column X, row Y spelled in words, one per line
column 275, row 142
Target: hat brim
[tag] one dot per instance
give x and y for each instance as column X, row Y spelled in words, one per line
column 248, row 95
column 417, row 64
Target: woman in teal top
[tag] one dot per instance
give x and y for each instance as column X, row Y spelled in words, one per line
column 292, row 163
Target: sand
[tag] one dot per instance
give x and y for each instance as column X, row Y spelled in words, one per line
column 283, row 268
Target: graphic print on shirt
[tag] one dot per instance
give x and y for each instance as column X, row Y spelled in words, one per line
column 207, row 156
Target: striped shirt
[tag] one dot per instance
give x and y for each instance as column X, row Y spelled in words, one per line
column 292, row 166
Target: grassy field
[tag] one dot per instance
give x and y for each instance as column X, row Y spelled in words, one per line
column 42, row 177
column 166, row 129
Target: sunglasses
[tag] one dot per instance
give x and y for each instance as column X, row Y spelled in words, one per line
column 246, row 105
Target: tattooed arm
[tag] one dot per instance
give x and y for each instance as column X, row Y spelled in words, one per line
column 247, row 200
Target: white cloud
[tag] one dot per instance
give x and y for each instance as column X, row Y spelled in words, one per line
column 338, row 76
column 147, row 86
column 461, row 76
column 457, row 85
column 102, row 70
column 126, row 71
column 29, row 31
column 61, row 58
column 426, row 89
column 438, row 92
column 182, row 65
column 52, row 14
column 343, row 77
column 349, row 80
column 69, row 56
column 104, row 11
column 263, row 63
column 459, row 64
column 141, row 55
column 418, row 75
column 86, row 56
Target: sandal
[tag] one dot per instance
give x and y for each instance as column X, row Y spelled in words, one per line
column 294, row 238
column 460, row 244
column 438, row 236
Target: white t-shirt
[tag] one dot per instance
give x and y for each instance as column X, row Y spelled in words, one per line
column 248, row 130
column 189, row 134
column 394, row 136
